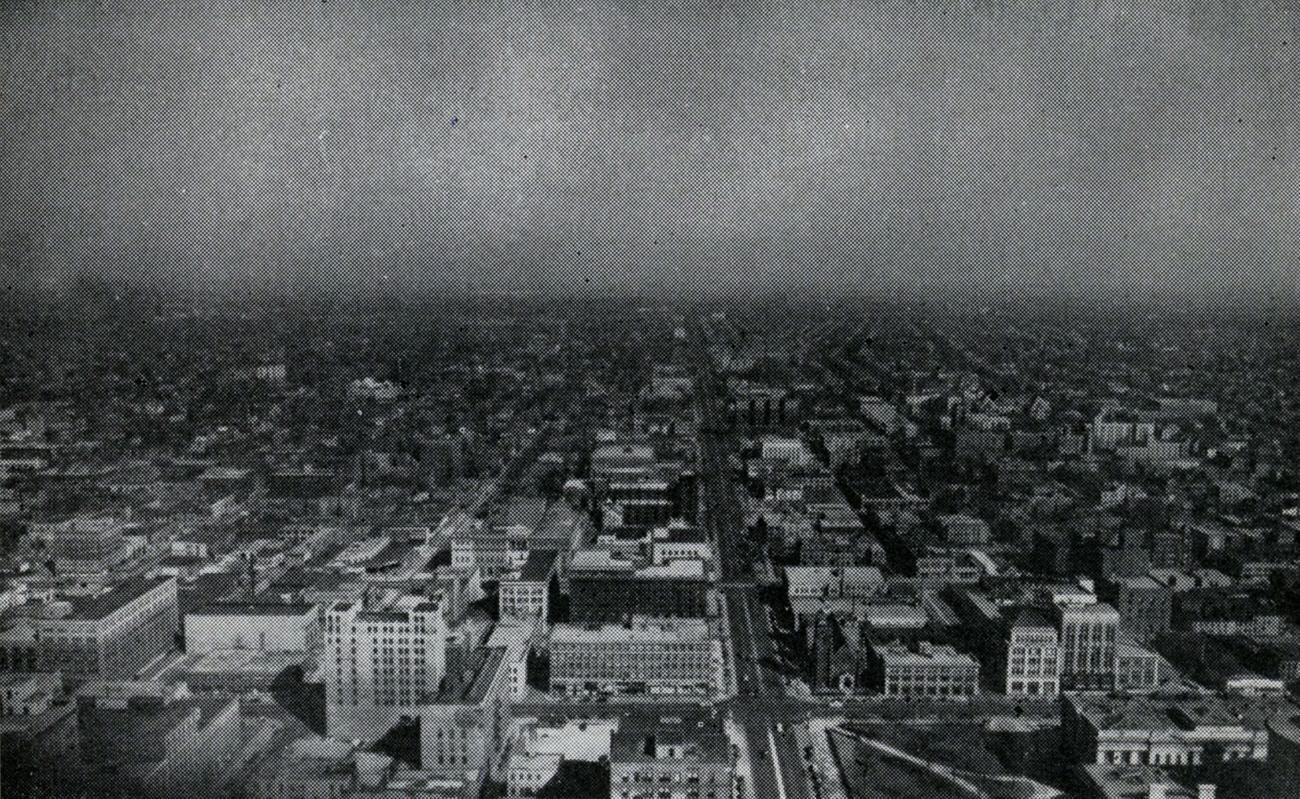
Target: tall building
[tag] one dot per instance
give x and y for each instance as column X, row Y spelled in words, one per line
column 463, row 726
column 1088, row 647
column 112, row 635
column 669, row 758
column 1033, row 657
column 381, row 665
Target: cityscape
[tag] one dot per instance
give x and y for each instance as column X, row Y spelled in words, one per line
column 571, row 399
column 495, row 547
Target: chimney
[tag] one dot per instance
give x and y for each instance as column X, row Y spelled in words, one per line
column 1206, row 790
column 1157, row 790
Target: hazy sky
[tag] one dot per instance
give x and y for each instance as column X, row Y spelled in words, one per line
column 1103, row 144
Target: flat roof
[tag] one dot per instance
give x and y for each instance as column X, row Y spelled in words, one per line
column 98, row 607
column 936, row 653
column 701, row 738
column 485, row 667
column 383, row 616
column 253, row 609
column 1164, row 713
column 667, row 630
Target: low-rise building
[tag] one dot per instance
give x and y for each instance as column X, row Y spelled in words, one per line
column 679, row 542
column 18, row 650
column 1141, row 730
column 29, row 694
column 310, row 768
column 110, row 635
column 654, row 758
column 541, row 750
column 658, row 656
column 1137, row 782
column 1137, row 669
column 277, row 627
column 835, row 654
column 925, row 670
column 526, row 593
column 85, row 544
column 960, row 529
column 176, row 748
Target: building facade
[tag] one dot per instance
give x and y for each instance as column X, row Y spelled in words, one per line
column 1033, row 658
column 1140, row 730
column 671, row 758
column 463, row 727
column 525, row 594
column 678, row 589
column 1088, row 647
column 112, row 635
column 84, row 545
column 381, row 665
column 1145, row 607
column 277, row 627
column 663, row 656
column 928, row 671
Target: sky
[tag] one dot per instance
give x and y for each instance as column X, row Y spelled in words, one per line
column 1100, row 148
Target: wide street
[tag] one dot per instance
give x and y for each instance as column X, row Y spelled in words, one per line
column 761, row 708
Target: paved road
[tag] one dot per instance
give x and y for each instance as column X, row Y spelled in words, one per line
column 763, row 711
column 761, row 708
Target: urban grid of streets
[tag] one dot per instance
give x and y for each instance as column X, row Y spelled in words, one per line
column 778, row 728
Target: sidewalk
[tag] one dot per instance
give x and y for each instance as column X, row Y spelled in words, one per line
column 736, row 735
column 728, row 685
column 831, row 783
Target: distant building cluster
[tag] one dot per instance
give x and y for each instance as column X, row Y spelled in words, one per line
column 541, row 557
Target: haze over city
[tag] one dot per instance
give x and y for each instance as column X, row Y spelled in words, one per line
column 1094, row 148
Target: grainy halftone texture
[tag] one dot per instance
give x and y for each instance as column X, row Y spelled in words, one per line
column 1145, row 146
column 1098, row 149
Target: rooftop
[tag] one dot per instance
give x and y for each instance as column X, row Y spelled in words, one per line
column 1132, row 782
column 94, row 608
column 538, row 567
column 1153, row 714
column 642, row 738
column 641, row 629
column 896, row 653
column 485, row 664
column 1030, row 618
column 253, row 609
